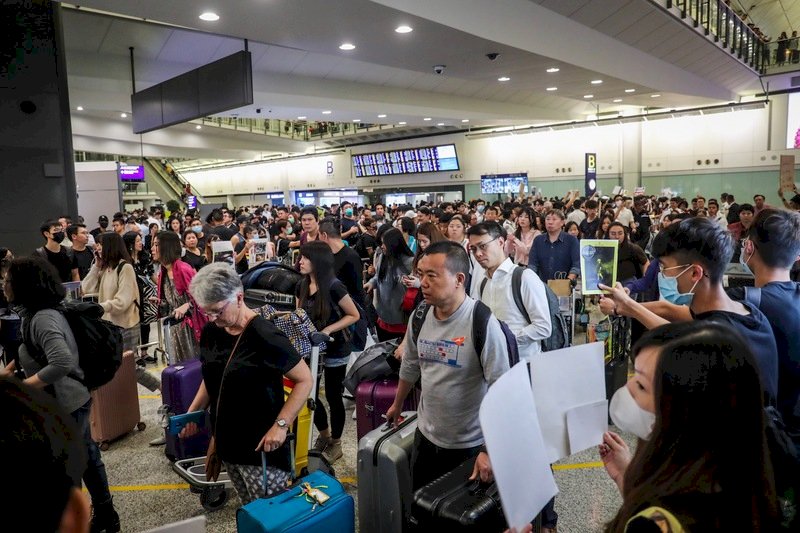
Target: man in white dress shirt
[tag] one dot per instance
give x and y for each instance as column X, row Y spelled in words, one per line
column 495, row 289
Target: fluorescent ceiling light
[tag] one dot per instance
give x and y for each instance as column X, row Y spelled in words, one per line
column 209, row 16
column 301, row 118
column 596, row 82
column 123, row 115
column 198, row 127
column 347, row 46
column 427, row 118
column 503, row 78
column 404, row 29
column 326, row 112
column 617, row 100
column 553, row 69
column 356, row 120
column 630, row 90
column 587, row 96
column 440, row 123
column 552, row 89
column 464, row 120
column 402, row 123
column 79, row 108
column 654, row 95
column 382, row 115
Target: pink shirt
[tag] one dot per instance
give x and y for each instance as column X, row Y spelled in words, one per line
column 519, row 249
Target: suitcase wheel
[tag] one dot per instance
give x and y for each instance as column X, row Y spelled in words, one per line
column 214, row 498
column 103, row 446
column 141, row 426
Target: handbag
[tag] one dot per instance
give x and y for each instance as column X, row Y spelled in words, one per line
column 409, row 299
column 148, row 311
column 297, row 325
column 561, row 286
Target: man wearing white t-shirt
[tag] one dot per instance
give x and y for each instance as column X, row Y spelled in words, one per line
column 623, row 214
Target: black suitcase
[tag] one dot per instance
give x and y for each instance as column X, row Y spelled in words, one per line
column 454, row 502
column 255, row 298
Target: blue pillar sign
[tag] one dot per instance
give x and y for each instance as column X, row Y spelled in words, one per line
column 591, row 174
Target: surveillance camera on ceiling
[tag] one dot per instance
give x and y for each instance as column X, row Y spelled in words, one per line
column 258, row 110
column 492, row 56
column 438, row 69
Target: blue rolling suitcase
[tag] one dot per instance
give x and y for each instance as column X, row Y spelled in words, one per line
column 292, row 511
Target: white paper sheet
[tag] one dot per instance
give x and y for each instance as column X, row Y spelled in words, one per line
column 516, row 449
column 562, row 380
column 586, row 425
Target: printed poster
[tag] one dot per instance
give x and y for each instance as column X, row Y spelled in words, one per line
column 598, row 264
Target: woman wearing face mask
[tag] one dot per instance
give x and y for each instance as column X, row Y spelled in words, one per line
column 703, row 464
column 194, row 255
column 283, row 238
column 197, row 227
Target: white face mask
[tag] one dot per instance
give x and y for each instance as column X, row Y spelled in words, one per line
column 628, row 416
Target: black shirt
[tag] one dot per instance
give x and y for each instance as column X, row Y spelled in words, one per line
column 630, row 261
column 589, row 229
column 82, row 260
column 347, row 264
column 757, row 334
column 780, row 303
column 366, row 246
column 339, row 347
column 196, row 261
column 224, row 233
column 62, row 260
column 642, row 235
column 252, row 390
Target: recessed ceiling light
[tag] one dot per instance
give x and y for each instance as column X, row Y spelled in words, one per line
column 440, row 123
column 553, row 69
column 79, row 108
column 654, row 95
column 404, row 29
column 552, row 88
column 198, row 127
column 356, row 120
column 464, row 120
column 347, row 46
column 209, row 16
column 503, row 78
column 587, row 96
column 630, row 90
column 617, row 100
column 123, row 115
column 326, row 112
column 426, row 118
column 596, row 82
column 402, row 123
column 301, row 118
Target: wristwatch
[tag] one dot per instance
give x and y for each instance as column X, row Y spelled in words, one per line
column 281, row 423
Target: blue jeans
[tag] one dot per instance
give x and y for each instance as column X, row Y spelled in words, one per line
column 94, row 477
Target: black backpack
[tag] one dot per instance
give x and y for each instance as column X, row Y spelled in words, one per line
column 558, row 334
column 99, row 342
column 480, row 323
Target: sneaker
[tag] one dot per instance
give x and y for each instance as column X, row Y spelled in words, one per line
column 320, row 444
column 159, row 441
column 104, row 519
column 333, row 452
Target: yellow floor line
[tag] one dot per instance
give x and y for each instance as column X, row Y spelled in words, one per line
column 149, row 396
column 350, row 480
column 576, row 466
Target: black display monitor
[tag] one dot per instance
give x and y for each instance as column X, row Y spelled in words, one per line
column 407, row 161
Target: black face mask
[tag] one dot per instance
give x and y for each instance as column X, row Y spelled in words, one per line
column 104, row 225
column 58, row 236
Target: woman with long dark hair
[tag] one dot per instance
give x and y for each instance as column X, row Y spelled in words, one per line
column 631, row 260
column 175, row 225
column 143, row 266
column 602, row 229
column 696, row 403
column 518, row 245
column 386, row 287
column 49, row 357
column 327, row 302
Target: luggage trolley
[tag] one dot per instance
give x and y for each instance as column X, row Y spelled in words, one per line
column 214, row 494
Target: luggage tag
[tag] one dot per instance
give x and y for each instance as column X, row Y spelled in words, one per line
column 314, row 494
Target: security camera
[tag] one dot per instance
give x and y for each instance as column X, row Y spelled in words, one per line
column 438, row 69
column 492, row 56
column 258, row 110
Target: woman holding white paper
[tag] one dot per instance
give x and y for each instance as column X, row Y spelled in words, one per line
column 702, row 463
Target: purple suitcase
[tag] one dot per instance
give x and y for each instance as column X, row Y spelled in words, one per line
column 373, row 399
column 179, row 384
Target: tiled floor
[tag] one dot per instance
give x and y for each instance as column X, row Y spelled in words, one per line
column 148, row 493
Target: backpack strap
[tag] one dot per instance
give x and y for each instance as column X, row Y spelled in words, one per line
column 41, row 253
column 480, row 323
column 516, row 292
column 483, row 285
column 420, row 313
column 752, row 295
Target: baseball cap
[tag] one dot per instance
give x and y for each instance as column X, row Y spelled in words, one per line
column 102, row 218
column 410, row 213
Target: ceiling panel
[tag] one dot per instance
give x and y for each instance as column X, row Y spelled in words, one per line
column 95, row 29
column 594, row 13
column 279, row 59
column 189, row 48
column 317, row 65
column 562, row 7
column 147, row 39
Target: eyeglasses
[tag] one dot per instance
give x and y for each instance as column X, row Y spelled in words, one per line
column 663, row 269
column 213, row 315
column 482, row 247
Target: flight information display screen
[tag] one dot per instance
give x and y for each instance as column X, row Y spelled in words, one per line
column 407, row 161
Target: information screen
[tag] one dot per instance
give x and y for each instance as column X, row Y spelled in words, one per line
column 130, row 172
column 408, row 161
column 503, row 183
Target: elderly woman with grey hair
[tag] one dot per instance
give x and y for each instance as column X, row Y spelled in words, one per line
column 244, row 360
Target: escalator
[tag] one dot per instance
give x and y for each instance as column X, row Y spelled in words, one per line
column 168, row 182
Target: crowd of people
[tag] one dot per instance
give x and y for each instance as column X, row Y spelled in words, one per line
column 707, row 359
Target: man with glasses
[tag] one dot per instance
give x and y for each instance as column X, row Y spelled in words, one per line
column 693, row 254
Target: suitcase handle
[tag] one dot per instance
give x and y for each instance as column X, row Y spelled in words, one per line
column 293, row 475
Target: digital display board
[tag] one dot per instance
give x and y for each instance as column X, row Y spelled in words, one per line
column 408, row 161
column 130, row 172
column 503, row 183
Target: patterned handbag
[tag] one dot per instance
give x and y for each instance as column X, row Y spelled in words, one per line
column 296, row 325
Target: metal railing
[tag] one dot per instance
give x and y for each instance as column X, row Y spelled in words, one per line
column 299, row 130
column 723, row 25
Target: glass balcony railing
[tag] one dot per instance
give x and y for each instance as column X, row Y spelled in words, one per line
column 299, row 130
column 721, row 23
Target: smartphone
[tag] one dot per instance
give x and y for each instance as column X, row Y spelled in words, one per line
column 178, row 422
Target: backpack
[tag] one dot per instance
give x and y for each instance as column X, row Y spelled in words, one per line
column 558, row 335
column 99, row 342
column 480, row 324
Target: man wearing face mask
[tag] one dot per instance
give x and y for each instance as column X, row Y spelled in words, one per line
column 197, row 227
column 52, row 252
column 103, row 227
column 350, row 230
column 693, row 254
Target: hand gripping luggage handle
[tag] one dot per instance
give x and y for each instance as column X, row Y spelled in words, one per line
column 292, row 471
